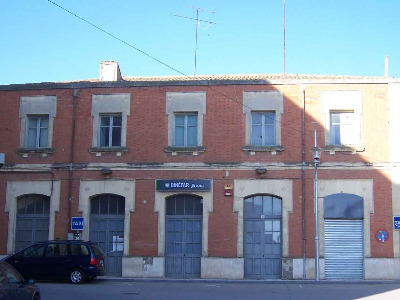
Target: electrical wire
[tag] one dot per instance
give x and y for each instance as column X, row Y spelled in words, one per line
column 161, row 62
column 180, row 72
column 117, row 38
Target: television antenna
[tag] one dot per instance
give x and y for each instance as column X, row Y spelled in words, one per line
column 198, row 21
column 284, row 37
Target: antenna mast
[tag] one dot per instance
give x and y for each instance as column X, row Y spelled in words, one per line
column 284, row 37
column 197, row 26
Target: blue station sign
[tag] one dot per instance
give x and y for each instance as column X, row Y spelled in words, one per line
column 77, row 223
column 396, row 222
column 183, row 185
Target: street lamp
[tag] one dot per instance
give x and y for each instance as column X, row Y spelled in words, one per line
column 316, row 152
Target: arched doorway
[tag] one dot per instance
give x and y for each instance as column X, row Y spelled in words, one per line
column 184, row 217
column 107, row 216
column 262, row 237
column 33, row 216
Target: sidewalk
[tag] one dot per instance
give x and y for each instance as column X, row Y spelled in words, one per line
column 245, row 281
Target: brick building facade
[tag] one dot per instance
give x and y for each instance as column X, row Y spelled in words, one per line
column 207, row 176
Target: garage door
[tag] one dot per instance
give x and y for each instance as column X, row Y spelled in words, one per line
column 344, row 251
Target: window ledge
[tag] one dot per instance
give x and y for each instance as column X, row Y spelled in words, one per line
column 108, row 149
column 263, row 148
column 340, row 148
column 42, row 151
column 173, row 149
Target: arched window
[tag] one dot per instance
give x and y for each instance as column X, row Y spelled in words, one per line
column 108, row 204
column 34, row 204
column 262, row 205
column 187, row 205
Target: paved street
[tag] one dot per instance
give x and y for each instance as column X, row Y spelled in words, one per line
column 213, row 290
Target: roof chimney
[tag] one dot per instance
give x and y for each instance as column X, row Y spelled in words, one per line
column 109, row 71
column 386, row 66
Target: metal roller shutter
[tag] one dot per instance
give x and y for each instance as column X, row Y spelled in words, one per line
column 344, row 251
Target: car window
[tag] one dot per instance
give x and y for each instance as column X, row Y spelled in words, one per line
column 79, row 249
column 97, row 250
column 34, row 251
column 56, row 249
column 12, row 275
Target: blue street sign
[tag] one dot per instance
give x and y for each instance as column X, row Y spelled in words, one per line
column 396, row 222
column 77, row 223
column 382, row 236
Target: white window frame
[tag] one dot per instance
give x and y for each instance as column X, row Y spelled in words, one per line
column 110, row 127
column 347, row 128
column 343, row 102
column 263, row 101
column 188, row 103
column 38, row 131
column 37, row 106
column 186, row 127
column 109, row 104
column 264, row 118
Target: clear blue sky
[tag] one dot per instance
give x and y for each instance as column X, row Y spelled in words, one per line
column 39, row 42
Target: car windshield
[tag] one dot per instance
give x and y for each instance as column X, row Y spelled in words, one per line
column 3, row 280
column 12, row 275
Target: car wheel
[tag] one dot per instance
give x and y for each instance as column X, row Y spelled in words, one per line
column 76, row 276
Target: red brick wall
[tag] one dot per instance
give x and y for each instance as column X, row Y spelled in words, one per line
column 223, row 138
column 144, row 221
column 222, row 238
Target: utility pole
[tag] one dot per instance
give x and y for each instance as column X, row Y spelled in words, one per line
column 198, row 21
column 316, row 155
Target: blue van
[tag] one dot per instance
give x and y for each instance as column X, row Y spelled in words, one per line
column 77, row 261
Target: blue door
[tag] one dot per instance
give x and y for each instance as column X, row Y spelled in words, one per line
column 33, row 215
column 262, row 237
column 183, row 236
column 107, row 229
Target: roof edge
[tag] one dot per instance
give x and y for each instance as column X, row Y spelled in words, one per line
column 204, row 80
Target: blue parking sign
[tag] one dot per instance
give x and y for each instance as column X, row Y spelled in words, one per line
column 396, row 222
column 77, row 223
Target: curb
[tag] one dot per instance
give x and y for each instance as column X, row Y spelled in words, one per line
column 244, row 281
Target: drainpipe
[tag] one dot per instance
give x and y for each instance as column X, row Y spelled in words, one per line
column 303, row 181
column 71, row 157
